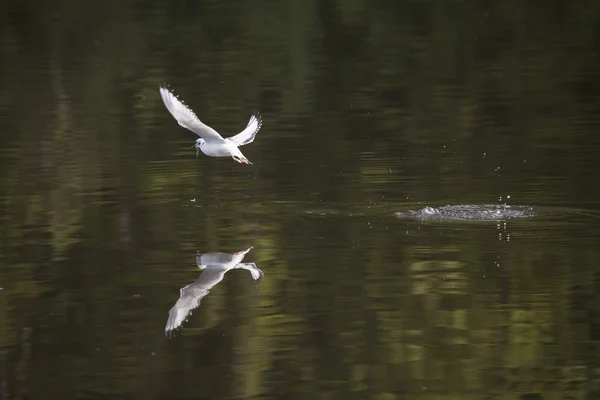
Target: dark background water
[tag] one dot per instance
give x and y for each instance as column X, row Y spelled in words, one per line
column 369, row 108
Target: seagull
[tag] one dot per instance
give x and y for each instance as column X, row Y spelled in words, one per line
column 214, row 266
column 211, row 142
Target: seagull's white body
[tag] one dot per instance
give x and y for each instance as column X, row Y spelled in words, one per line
column 211, row 142
column 215, row 265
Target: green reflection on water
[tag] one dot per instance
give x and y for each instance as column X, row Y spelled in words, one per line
column 369, row 108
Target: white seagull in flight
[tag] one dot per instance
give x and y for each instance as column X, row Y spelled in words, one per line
column 211, row 142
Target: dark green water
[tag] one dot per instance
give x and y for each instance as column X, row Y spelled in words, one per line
column 369, row 108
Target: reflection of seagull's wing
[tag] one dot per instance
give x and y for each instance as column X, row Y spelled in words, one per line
column 191, row 295
column 187, row 118
column 188, row 300
column 252, row 268
column 247, row 135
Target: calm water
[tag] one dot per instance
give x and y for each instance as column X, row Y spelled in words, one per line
column 368, row 109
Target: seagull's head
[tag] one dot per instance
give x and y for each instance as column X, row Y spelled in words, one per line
column 199, row 143
column 199, row 261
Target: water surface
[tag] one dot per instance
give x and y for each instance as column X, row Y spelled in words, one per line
column 368, row 109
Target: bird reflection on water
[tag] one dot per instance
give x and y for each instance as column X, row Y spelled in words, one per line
column 214, row 266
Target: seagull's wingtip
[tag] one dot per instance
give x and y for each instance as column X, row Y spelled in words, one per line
column 256, row 117
column 164, row 87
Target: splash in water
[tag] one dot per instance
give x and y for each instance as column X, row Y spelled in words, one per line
column 485, row 212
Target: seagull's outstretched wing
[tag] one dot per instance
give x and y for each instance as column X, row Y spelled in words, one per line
column 247, row 135
column 187, row 118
